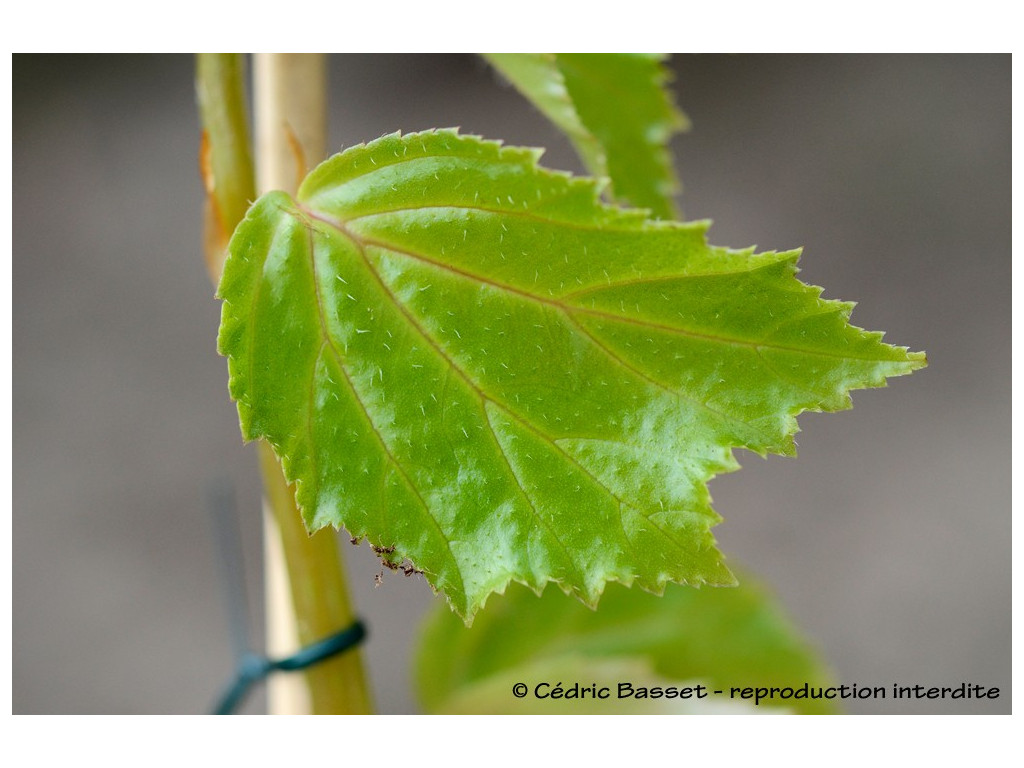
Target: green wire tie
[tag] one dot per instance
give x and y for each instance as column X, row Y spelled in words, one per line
column 252, row 668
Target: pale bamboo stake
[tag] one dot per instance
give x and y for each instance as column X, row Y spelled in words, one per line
column 307, row 596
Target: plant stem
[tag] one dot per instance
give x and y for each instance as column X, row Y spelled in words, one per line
column 319, row 598
column 225, row 158
column 290, row 106
column 307, row 597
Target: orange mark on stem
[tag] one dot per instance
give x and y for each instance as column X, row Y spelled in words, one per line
column 215, row 235
column 300, row 157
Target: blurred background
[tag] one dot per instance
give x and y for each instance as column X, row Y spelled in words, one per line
column 888, row 539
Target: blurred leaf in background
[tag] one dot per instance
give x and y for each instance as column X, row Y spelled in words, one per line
column 719, row 638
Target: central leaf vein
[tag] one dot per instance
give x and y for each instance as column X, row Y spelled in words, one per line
column 572, row 309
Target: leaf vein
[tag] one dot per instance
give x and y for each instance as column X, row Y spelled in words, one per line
column 480, row 394
column 485, row 398
column 567, row 308
column 366, row 414
column 541, row 521
column 615, row 357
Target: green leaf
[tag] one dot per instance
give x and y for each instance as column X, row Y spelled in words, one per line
column 616, row 110
column 476, row 365
column 720, row 638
